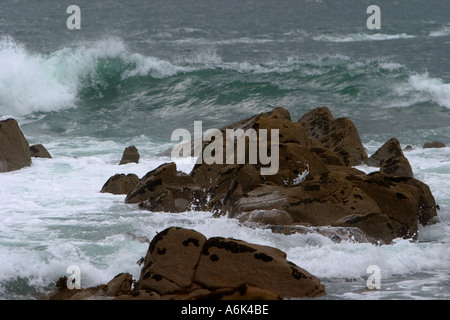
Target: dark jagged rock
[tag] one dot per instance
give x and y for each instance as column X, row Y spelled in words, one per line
column 391, row 160
column 14, row 148
column 390, row 149
column 39, row 151
column 130, row 155
column 397, row 167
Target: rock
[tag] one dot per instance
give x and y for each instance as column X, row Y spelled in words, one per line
column 338, row 135
column 242, row 292
column 165, row 189
column 39, row 151
column 228, row 263
column 220, row 263
column 270, row 217
column 120, row 184
column 434, row 144
column 315, row 186
column 408, row 148
column 171, row 261
column 391, row 160
column 387, row 151
column 397, row 166
column 182, row 264
column 403, row 200
column 130, row 155
column 14, row 148
column 121, row 284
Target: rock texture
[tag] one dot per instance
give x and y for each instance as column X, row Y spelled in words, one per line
column 130, row 155
column 435, row 144
column 39, row 151
column 14, row 148
column 338, row 135
column 183, row 264
column 120, row 184
column 316, row 186
column 391, row 160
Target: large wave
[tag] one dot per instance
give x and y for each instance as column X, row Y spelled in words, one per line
column 35, row 82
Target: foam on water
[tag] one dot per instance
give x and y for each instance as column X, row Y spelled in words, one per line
column 442, row 32
column 357, row 37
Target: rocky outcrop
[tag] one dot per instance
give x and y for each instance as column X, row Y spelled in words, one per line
column 434, row 144
column 338, row 135
column 39, row 151
column 183, row 264
column 130, row 155
column 391, row 160
column 120, row 184
column 315, row 187
column 14, row 148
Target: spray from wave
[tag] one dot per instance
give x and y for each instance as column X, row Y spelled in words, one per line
column 34, row 82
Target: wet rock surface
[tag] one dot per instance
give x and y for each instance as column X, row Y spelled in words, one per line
column 316, row 184
column 183, row 264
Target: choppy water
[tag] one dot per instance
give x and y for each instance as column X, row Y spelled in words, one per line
column 136, row 71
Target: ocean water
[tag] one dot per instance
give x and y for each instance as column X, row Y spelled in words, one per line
column 137, row 70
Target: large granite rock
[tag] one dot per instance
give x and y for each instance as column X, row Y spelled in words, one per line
column 14, row 148
column 183, row 264
column 315, row 187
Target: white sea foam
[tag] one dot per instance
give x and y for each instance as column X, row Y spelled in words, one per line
column 442, row 32
column 434, row 88
column 356, row 37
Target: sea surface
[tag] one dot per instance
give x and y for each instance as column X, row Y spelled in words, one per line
column 138, row 70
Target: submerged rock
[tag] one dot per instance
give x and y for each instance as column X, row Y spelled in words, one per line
column 14, row 148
